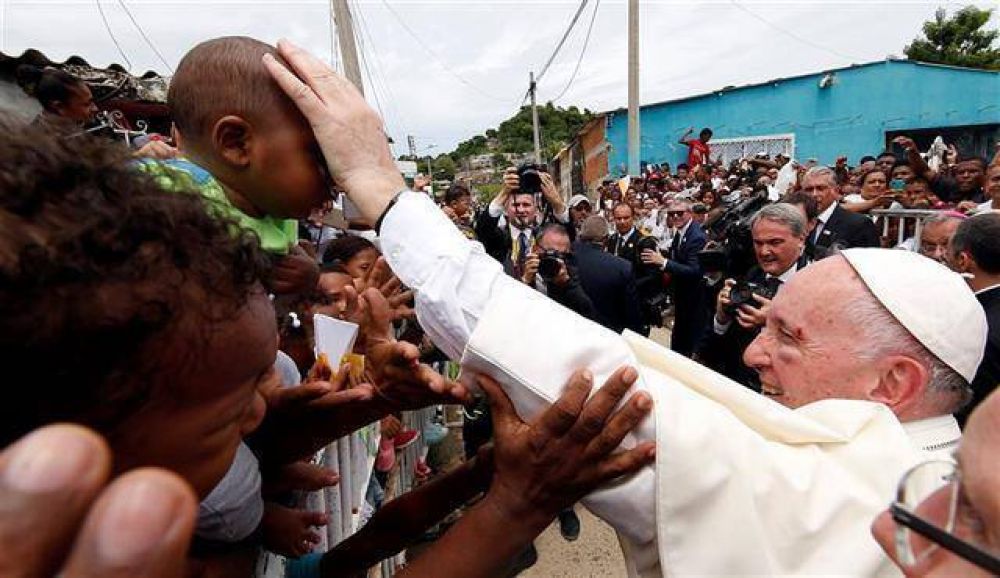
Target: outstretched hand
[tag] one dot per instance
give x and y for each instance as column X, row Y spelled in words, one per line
column 62, row 515
column 547, row 465
column 398, row 375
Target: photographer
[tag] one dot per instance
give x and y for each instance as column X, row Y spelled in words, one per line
column 779, row 238
column 507, row 227
column 551, row 268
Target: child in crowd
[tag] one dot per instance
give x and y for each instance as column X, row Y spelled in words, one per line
column 355, row 255
column 248, row 150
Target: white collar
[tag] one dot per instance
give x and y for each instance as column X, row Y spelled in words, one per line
column 824, row 217
column 787, row 275
column 515, row 232
column 985, row 289
column 934, row 434
column 626, row 235
column 685, row 228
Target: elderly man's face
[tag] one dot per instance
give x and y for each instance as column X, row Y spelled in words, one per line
column 977, row 519
column 934, row 239
column 803, row 353
column 776, row 247
column 822, row 188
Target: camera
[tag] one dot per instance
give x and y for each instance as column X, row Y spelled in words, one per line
column 529, row 178
column 742, row 294
column 549, row 264
column 730, row 247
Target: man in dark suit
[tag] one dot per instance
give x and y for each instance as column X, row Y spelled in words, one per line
column 975, row 250
column 628, row 243
column 835, row 228
column 779, row 238
column 606, row 279
column 690, row 314
column 506, row 228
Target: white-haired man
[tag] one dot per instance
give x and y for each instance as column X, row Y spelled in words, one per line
column 835, row 227
column 742, row 485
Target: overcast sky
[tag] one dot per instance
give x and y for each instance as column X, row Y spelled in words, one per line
column 469, row 70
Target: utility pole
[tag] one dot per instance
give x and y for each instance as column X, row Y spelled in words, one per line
column 348, row 48
column 633, row 87
column 413, row 146
column 534, row 118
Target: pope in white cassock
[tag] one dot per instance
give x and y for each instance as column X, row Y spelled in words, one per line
column 864, row 357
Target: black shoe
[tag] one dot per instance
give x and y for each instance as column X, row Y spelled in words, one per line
column 526, row 559
column 569, row 525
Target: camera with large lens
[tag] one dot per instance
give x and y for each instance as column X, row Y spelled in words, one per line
column 549, row 264
column 529, row 178
column 742, row 294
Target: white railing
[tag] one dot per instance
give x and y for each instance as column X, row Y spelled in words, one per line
column 900, row 217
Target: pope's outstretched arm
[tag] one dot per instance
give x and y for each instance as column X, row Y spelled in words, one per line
column 458, row 286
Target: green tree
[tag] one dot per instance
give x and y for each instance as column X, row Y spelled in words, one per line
column 444, row 168
column 959, row 40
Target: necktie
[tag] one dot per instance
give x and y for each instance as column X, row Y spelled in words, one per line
column 818, row 229
column 773, row 284
column 675, row 244
column 522, row 248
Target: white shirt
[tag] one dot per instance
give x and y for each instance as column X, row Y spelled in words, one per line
column 823, row 218
column 680, row 235
column 984, row 207
column 722, row 328
column 985, row 289
column 741, row 485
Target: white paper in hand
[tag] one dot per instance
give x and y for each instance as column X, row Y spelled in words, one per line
column 334, row 337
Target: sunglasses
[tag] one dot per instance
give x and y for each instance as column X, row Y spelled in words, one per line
column 675, row 213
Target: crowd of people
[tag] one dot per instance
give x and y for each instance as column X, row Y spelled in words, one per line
column 816, row 372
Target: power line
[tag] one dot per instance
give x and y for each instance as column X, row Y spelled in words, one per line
column 583, row 51
column 437, row 58
column 379, row 75
column 359, row 41
column 144, row 37
column 793, row 35
column 107, row 26
column 562, row 41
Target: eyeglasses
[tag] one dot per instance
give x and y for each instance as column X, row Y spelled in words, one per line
column 675, row 213
column 926, row 508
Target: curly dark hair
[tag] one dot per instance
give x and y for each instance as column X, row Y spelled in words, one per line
column 98, row 265
column 343, row 249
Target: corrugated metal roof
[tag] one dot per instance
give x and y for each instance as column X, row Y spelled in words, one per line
column 111, row 81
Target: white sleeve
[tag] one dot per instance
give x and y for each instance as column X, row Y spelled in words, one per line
column 452, row 277
column 495, row 208
column 720, row 328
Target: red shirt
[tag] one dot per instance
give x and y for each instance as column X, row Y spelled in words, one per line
column 698, row 153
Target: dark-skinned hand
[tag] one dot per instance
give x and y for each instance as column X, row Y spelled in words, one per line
column 395, row 367
column 547, row 465
column 62, row 514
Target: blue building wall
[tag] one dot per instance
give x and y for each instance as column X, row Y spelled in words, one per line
column 851, row 117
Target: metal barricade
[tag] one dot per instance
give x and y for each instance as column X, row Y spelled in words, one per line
column 900, row 217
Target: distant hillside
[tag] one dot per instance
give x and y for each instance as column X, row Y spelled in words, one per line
column 514, row 135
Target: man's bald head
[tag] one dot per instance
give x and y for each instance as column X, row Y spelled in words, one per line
column 221, row 77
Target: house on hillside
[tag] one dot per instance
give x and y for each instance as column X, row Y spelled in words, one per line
column 854, row 111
